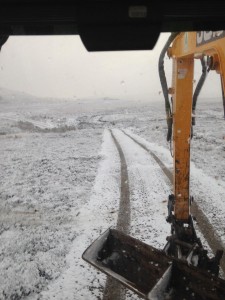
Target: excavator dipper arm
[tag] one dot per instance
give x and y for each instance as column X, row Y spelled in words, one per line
column 182, row 110
column 186, row 47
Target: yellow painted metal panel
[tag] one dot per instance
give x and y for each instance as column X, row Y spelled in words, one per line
column 182, row 110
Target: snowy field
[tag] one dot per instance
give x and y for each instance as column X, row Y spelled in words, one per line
column 60, row 186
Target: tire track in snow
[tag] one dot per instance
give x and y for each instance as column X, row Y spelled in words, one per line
column 114, row 290
column 148, row 188
column 123, row 221
column 204, row 225
column 165, row 170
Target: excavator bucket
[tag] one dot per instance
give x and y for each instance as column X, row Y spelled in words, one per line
column 135, row 264
column 150, row 272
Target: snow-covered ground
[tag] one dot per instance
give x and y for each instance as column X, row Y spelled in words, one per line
column 60, row 185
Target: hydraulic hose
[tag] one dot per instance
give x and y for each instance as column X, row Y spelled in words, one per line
column 164, row 85
column 199, row 86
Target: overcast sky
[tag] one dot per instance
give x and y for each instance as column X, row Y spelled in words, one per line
column 60, row 66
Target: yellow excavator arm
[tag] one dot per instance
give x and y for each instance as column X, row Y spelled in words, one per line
column 187, row 47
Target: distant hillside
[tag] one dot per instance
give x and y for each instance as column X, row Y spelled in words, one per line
column 10, row 95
